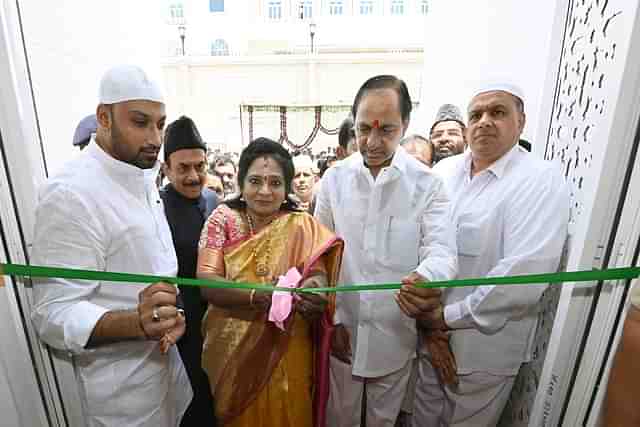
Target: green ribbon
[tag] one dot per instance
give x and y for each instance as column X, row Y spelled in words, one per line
column 525, row 279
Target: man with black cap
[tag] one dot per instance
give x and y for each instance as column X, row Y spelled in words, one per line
column 447, row 133
column 119, row 334
column 187, row 204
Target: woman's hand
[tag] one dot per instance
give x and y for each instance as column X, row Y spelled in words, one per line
column 260, row 300
column 312, row 305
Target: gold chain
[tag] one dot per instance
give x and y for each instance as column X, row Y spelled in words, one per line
column 262, row 266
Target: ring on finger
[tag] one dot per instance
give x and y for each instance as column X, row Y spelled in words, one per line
column 155, row 315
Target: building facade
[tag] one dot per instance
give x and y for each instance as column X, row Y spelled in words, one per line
column 224, row 54
column 258, row 27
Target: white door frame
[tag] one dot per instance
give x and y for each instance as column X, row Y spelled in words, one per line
column 601, row 238
column 42, row 382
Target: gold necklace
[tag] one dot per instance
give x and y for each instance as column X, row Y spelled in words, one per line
column 262, row 266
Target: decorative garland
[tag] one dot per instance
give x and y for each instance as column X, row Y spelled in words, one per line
column 283, row 109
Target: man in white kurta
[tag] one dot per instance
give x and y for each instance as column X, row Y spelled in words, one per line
column 393, row 215
column 104, row 213
column 511, row 212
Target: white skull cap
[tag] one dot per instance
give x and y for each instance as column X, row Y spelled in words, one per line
column 128, row 83
column 503, row 86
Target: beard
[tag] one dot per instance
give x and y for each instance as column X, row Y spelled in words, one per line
column 145, row 158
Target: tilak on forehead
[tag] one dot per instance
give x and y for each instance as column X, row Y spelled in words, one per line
column 376, row 124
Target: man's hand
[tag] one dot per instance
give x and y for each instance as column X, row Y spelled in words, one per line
column 422, row 304
column 157, row 310
column 442, row 358
column 172, row 337
column 341, row 344
column 311, row 306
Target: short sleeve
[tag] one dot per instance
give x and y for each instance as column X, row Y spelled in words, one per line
column 213, row 233
column 212, row 241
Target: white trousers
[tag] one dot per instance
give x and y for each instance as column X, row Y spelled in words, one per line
column 384, row 396
column 477, row 401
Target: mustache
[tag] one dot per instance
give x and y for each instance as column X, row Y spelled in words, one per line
column 151, row 149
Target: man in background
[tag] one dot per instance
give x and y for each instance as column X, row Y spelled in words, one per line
column 304, row 180
column 447, row 133
column 86, row 128
column 346, row 139
column 187, row 205
column 420, row 148
column 225, row 168
column 214, row 183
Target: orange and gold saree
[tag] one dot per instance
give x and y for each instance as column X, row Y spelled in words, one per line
column 260, row 375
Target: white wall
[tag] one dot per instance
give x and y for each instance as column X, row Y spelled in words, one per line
column 470, row 40
column 70, row 45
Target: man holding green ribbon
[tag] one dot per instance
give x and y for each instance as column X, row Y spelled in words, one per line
column 511, row 211
column 103, row 212
column 393, row 214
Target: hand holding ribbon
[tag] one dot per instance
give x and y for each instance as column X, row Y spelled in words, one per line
column 281, row 302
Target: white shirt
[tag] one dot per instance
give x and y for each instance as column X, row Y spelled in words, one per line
column 511, row 219
column 393, row 225
column 103, row 214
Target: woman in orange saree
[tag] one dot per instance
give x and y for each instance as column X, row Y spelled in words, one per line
column 261, row 375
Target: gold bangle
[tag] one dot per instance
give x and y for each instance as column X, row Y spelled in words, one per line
column 251, row 295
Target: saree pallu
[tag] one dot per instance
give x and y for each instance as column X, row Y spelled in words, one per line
column 260, row 375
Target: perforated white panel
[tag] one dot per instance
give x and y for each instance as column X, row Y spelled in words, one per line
column 589, row 50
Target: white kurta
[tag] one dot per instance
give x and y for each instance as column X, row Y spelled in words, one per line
column 103, row 214
column 511, row 219
column 393, row 225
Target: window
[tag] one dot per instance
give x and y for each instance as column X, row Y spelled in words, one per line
column 305, row 9
column 366, row 7
column 176, row 12
column 424, row 7
column 274, row 9
column 216, row 5
column 219, row 48
column 397, row 7
column 336, row 7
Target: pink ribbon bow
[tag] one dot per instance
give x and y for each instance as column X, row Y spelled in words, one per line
column 281, row 301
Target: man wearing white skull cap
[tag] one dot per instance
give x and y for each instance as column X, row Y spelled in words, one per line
column 511, row 213
column 103, row 212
